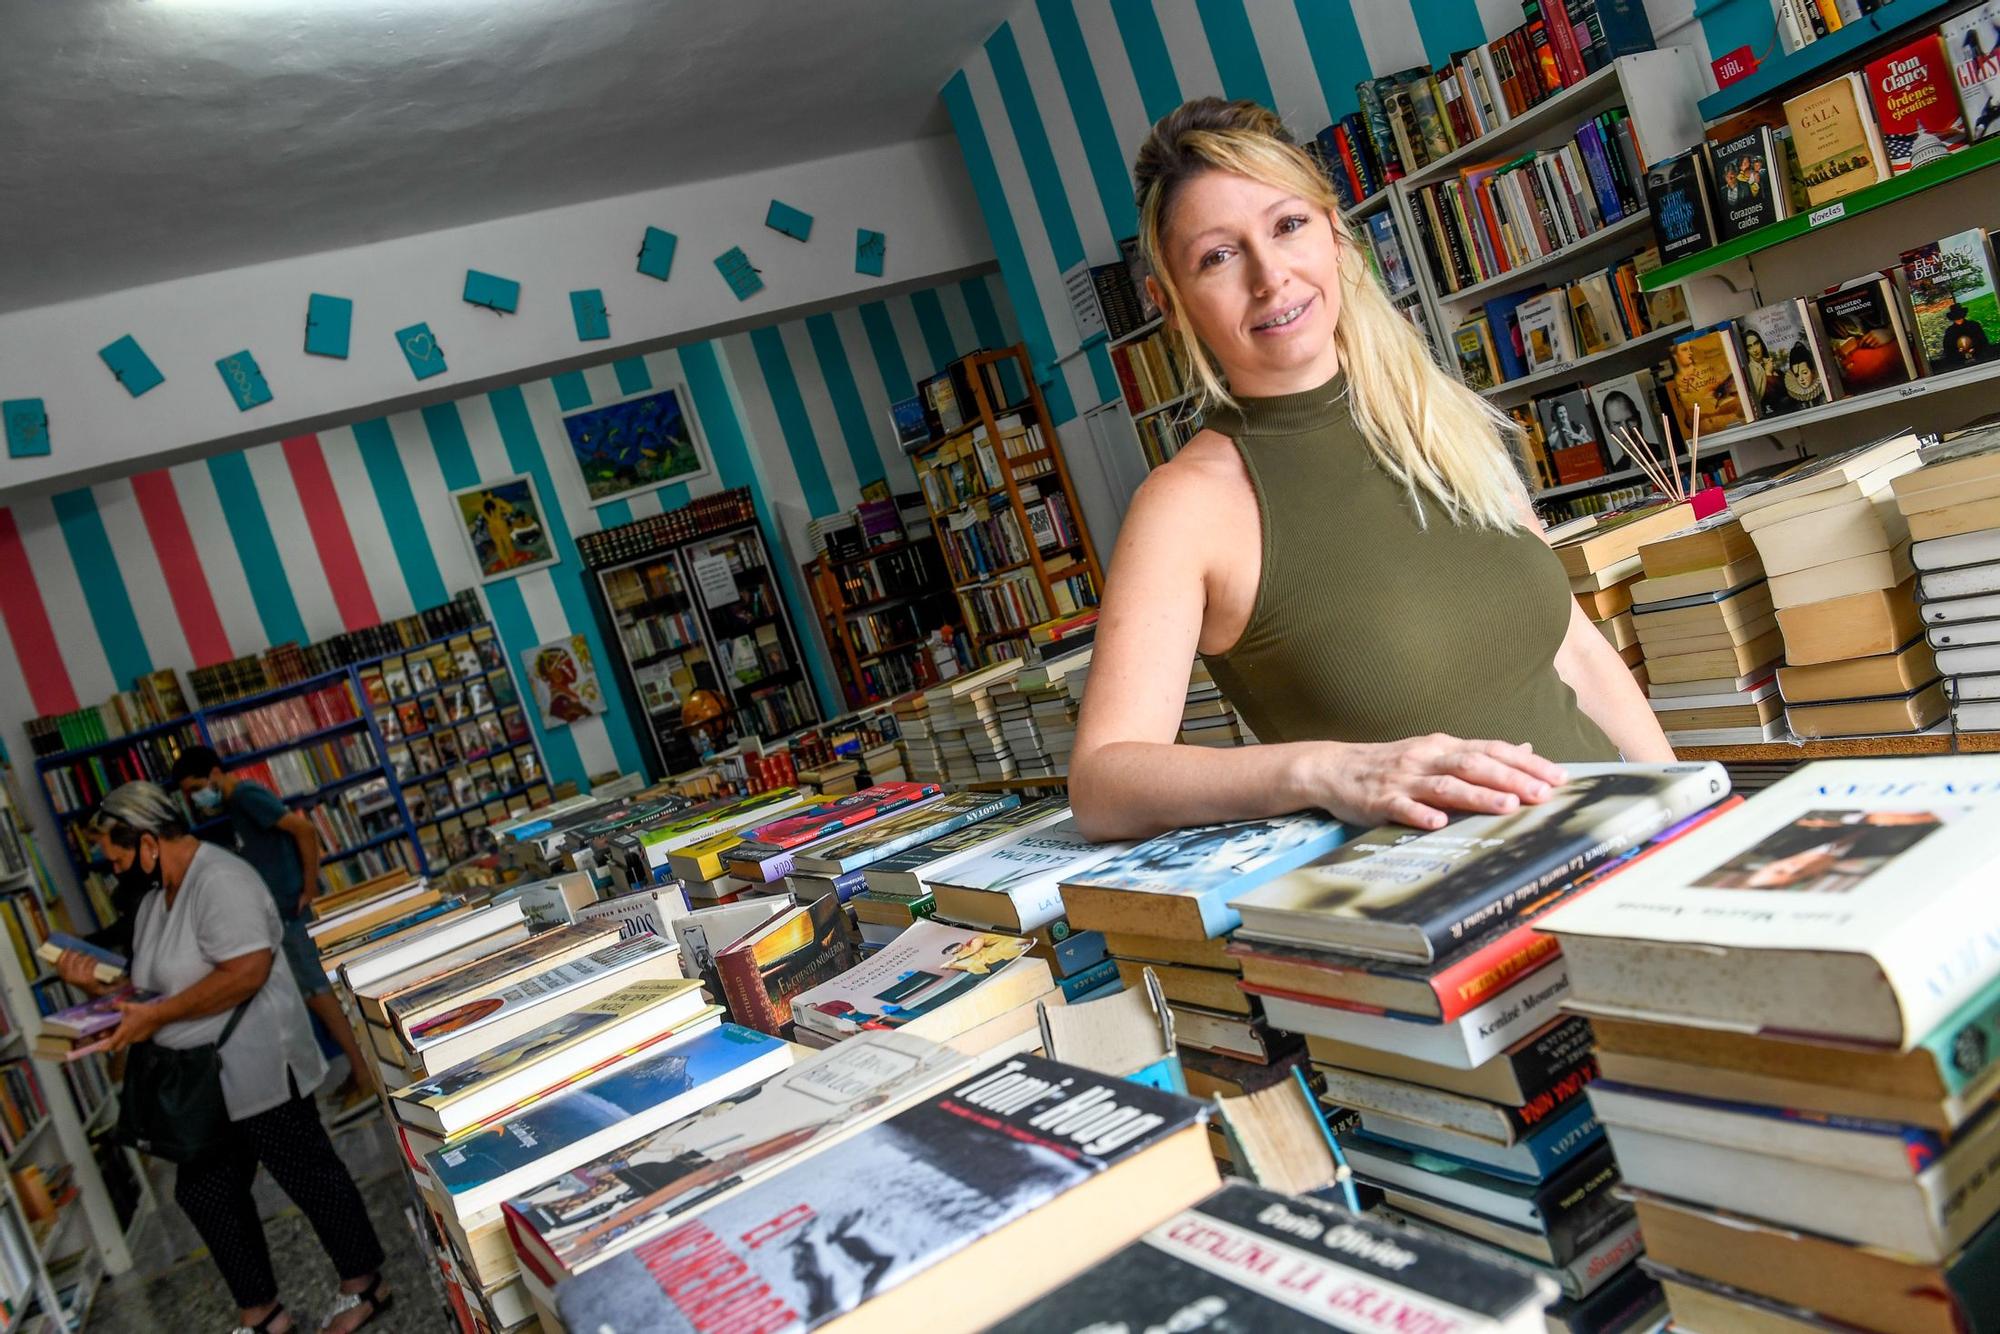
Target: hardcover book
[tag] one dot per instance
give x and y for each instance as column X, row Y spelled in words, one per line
column 1021, row 1145
column 1840, row 150
column 1865, row 335
column 1477, row 365
column 615, row 1202
column 1179, row 884
column 933, row 980
column 1683, row 209
column 1953, row 301
column 906, row 829
column 1546, row 332
column 100, row 1014
column 1750, row 191
column 479, row 1172
column 1703, row 373
column 1848, row 900
column 1782, row 366
column 1916, row 104
column 1399, row 893
column 485, row 975
column 1570, row 434
column 766, row 854
column 907, row 874
column 799, row 948
column 1972, row 44
column 545, row 1057
column 1252, row 1259
column 1019, row 878
column 1628, row 405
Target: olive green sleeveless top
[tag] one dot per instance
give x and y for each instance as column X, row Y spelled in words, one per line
column 1368, row 627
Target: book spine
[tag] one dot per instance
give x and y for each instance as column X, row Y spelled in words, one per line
column 1590, row 141
column 1553, row 1102
column 1491, row 969
column 750, row 1003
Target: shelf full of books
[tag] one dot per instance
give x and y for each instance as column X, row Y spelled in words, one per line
column 1004, row 508
column 881, row 609
column 395, row 757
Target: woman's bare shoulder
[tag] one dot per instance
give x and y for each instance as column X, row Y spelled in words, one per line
column 1191, row 477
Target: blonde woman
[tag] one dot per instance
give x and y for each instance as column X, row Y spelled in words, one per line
column 1347, row 544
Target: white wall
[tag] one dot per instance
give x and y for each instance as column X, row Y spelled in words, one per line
column 917, row 193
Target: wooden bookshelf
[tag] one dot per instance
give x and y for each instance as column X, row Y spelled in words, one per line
column 1045, row 569
column 1849, row 748
column 865, row 671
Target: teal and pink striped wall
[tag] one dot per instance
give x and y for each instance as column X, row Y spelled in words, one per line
column 1051, row 110
column 303, row 538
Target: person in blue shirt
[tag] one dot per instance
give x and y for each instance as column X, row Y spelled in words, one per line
column 284, row 848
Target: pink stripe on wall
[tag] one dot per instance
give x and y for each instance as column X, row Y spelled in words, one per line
column 330, row 533
column 180, row 564
column 28, row 626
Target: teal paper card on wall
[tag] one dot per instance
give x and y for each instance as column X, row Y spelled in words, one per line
column 129, row 362
column 421, row 350
column 868, row 249
column 741, row 275
column 245, row 381
column 656, row 253
column 502, row 295
column 27, row 427
column 593, row 321
column 329, row 321
column 782, row 217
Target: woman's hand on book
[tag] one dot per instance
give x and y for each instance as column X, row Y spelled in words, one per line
column 1421, row 781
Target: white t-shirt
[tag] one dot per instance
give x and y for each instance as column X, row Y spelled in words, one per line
column 222, row 912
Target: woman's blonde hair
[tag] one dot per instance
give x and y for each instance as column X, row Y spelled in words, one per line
column 1428, row 430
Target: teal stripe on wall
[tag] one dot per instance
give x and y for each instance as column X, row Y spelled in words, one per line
column 400, row 517
column 793, row 420
column 709, row 387
column 1729, row 24
column 1032, row 139
column 936, row 328
column 1103, row 373
column 104, row 594
column 846, row 396
column 889, row 363
column 1146, row 49
column 524, row 453
column 572, row 390
column 503, row 596
column 1234, row 47
column 256, row 549
column 1333, row 40
column 1445, row 25
column 1007, row 243
column 1108, row 166
column 633, row 377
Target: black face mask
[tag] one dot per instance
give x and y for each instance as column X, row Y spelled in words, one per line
column 134, row 884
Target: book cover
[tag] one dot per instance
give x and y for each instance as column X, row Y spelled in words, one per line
column 1683, row 218
column 1972, row 44
column 1477, row 364
column 1876, row 860
column 1782, row 367
column 530, row 991
column 1397, row 275
column 800, row 948
column 1028, row 869
column 1247, row 1258
column 1864, row 335
column 1705, row 375
column 716, row 1062
column 1956, row 314
column 905, row 873
column 1916, row 104
column 1402, row 894
column 1559, row 1141
column 1749, row 192
column 1834, row 135
column 906, row 829
column 1205, row 866
column 1546, row 333
column 1570, row 433
column 96, row 1015
column 615, row 1202
column 929, row 967
column 766, row 853
column 471, row 980
column 1626, row 406
column 806, row 1246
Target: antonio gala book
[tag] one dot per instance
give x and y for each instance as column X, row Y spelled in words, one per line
column 945, row 1216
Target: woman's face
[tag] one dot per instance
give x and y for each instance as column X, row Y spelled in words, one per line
column 1258, row 273
column 1754, row 345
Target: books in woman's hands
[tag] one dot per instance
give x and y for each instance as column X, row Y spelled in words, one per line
column 82, row 1029
column 111, row 965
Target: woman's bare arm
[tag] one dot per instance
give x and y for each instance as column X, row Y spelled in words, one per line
column 1607, row 693
column 1128, row 779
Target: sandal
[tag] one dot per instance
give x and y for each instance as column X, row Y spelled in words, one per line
column 263, row 1326
column 372, row 1296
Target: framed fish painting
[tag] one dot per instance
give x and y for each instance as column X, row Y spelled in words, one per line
column 636, row 444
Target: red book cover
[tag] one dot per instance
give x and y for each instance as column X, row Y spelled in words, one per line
column 1562, row 40
column 1916, row 104
column 1121, row 362
column 829, row 817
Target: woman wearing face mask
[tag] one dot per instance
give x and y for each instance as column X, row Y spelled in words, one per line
column 206, row 940
column 1347, row 545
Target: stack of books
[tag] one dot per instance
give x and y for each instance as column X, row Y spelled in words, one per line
column 1163, row 905
column 1952, row 505
column 1836, row 551
column 898, row 888
column 1600, row 554
column 834, row 866
column 1702, row 614
column 966, row 729
column 1207, row 719
column 1431, row 1008
column 1037, row 715
column 922, row 760
column 1802, row 1100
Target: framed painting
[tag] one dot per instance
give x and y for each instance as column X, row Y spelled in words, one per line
column 563, row 677
column 503, row 526
column 636, row 444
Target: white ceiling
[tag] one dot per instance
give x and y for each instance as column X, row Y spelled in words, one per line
column 142, row 140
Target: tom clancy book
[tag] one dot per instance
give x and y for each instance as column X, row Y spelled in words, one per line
column 1953, row 301
column 1247, row 1258
column 1400, row 894
column 615, row 1202
column 1972, row 44
column 767, row 854
column 912, row 1215
column 908, row 874
column 1916, row 104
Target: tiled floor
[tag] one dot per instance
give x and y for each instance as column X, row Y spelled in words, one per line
column 175, row 1287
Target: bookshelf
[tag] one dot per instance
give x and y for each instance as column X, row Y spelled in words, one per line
column 877, row 609
column 67, row 1261
column 394, row 758
column 975, row 478
column 1828, row 55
